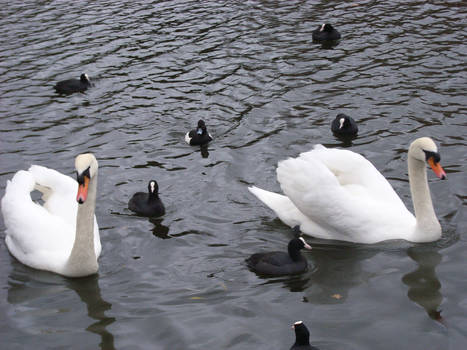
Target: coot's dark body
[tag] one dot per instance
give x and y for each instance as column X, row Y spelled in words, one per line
column 302, row 337
column 325, row 32
column 73, row 85
column 281, row 263
column 147, row 204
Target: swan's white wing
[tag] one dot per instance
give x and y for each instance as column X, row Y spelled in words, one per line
column 38, row 236
column 333, row 193
column 59, row 192
column 354, row 171
column 60, row 197
column 34, row 236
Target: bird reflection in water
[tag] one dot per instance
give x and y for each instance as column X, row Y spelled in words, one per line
column 204, row 151
column 295, row 283
column 26, row 286
column 424, row 286
column 338, row 269
column 89, row 292
column 159, row 230
column 345, row 141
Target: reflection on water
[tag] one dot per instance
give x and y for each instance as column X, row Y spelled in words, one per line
column 424, row 285
column 159, row 229
column 296, row 283
column 204, row 151
column 269, row 93
column 346, row 141
column 89, row 292
column 37, row 292
column 338, row 270
column 329, row 45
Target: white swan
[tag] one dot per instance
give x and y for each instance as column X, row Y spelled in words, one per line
column 338, row 194
column 61, row 235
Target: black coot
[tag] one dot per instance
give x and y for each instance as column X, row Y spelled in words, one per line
column 302, row 337
column 147, row 204
column 281, row 263
column 325, row 32
column 73, row 85
column 343, row 125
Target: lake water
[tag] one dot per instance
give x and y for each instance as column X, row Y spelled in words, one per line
column 266, row 92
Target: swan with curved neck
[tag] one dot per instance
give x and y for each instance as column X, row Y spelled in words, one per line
column 421, row 152
column 83, row 260
column 338, row 194
column 61, row 235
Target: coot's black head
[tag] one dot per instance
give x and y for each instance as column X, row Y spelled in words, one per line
column 302, row 335
column 326, row 28
column 201, row 127
column 153, row 187
column 84, row 78
column 298, row 243
column 294, row 247
column 343, row 125
column 344, row 121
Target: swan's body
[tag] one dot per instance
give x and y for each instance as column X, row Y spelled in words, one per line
column 338, row 194
column 61, row 235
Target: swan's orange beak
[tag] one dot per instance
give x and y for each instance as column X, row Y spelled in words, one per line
column 83, row 190
column 437, row 169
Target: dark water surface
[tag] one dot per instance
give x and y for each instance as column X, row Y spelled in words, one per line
column 267, row 92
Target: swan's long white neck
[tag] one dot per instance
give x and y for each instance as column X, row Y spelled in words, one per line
column 428, row 227
column 82, row 260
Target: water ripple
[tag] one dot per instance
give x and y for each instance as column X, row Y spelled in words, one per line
column 267, row 92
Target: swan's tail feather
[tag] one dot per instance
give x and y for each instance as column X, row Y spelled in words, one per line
column 280, row 204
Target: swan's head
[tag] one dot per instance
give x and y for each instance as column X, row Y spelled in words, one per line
column 86, row 168
column 153, row 187
column 424, row 149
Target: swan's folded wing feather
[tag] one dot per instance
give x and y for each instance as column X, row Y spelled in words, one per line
column 60, row 197
column 353, row 171
column 350, row 209
column 52, row 178
column 31, row 229
column 60, row 194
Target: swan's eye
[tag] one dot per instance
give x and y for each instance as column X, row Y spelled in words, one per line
column 80, row 177
column 435, row 155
